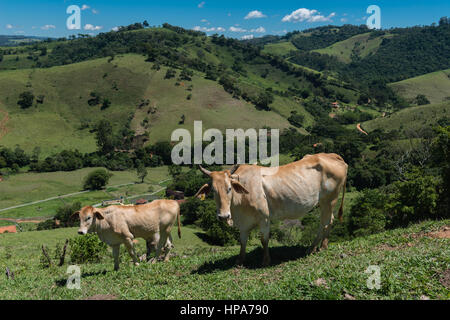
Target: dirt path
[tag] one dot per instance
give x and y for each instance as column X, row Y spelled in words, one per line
column 358, row 126
column 3, row 122
column 24, row 220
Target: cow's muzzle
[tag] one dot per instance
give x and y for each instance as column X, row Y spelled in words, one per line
column 224, row 216
column 82, row 232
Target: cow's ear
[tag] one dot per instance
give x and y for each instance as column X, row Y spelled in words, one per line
column 238, row 187
column 98, row 214
column 205, row 189
column 75, row 214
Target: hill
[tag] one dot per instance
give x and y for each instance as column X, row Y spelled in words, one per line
column 435, row 86
column 414, row 264
column 15, row 40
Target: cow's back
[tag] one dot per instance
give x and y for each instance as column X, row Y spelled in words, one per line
column 147, row 219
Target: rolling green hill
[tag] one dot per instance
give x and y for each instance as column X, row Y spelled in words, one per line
column 358, row 46
column 435, row 86
column 126, row 81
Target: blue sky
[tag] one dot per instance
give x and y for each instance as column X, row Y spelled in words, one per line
column 232, row 18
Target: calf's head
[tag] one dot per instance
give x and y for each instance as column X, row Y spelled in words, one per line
column 88, row 215
column 223, row 184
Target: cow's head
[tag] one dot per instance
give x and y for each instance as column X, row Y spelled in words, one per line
column 88, row 215
column 224, row 183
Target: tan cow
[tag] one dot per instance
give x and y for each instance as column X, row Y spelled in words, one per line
column 121, row 224
column 250, row 196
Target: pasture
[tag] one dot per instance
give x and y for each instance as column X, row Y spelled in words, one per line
column 413, row 263
column 435, row 86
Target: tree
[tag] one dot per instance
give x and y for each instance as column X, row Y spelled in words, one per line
column 422, row 100
column 106, row 104
column 145, row 24
column 104, row 136
column 96, row 180
column 141, row 171
column 25, row 99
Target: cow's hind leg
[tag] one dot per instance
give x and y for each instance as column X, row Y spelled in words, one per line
column 116, row 252
column 265, row 234
column 152, row 244
column 162, row 245
column 326, row 220
column 130, row 247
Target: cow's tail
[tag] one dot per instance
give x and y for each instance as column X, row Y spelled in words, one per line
column 341, row 208
column 179, row 223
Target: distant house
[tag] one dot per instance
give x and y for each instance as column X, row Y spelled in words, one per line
column 335, row 105
column 140, row 201
column 8, row 229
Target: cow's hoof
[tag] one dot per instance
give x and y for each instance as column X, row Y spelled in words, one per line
column 152, row 260
column 136, row 264
column 143, row 257
column 311, row 250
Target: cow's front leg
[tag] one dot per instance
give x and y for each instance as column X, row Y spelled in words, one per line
column 116, row 251
column 243, row 237
column 130, row 247
column 265, row 234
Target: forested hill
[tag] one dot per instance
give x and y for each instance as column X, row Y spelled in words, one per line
column 388, row 55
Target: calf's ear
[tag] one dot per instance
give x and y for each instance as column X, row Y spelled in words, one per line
column 205, row 189
column 98, row 215
column 238, row 187
column 74, row 215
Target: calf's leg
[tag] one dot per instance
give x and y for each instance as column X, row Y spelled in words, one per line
column 130, row 247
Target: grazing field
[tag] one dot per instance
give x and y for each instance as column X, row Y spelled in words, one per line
column 29, row 187
column 64, row 119
column 410, row 118
column 435, row 86
column 360, row 45
column 414, row 264
column 280, row 48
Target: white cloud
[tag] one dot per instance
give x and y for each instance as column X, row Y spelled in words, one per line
column 85, row 7
column 255, row 14
column 242, row 30
column 9, row 26
column 304, row 14
column 204, row 20
column 237, row 29
column 344, row 19
column 259, row 30
column 212, row 29
column 201, row 4
column 94, row 11
column 115, row 29
column 92, row 28
column 247, row 37
column 48, row 27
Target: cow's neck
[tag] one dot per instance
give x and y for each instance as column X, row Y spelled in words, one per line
column 100, row 225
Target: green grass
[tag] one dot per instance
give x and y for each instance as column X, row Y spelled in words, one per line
column 281, row 48
column 410, row 118
column 29, row 187
column 54, row 125
column 435, row 86
column 410, row 267
column 359, row 45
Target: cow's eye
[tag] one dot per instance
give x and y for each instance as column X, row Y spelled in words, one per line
column 229, row 190
column 88, row 218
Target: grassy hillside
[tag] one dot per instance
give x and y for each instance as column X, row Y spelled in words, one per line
column 435, row 86
column 358, row 46
column 414, row 263
column 55, row 124
column 410, row 118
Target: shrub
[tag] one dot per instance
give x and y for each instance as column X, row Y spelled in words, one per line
column 25, row 100
column 367, row 213
column 87, row 248
column 96, row 180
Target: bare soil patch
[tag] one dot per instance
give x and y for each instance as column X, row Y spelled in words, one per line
column 102, row 297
